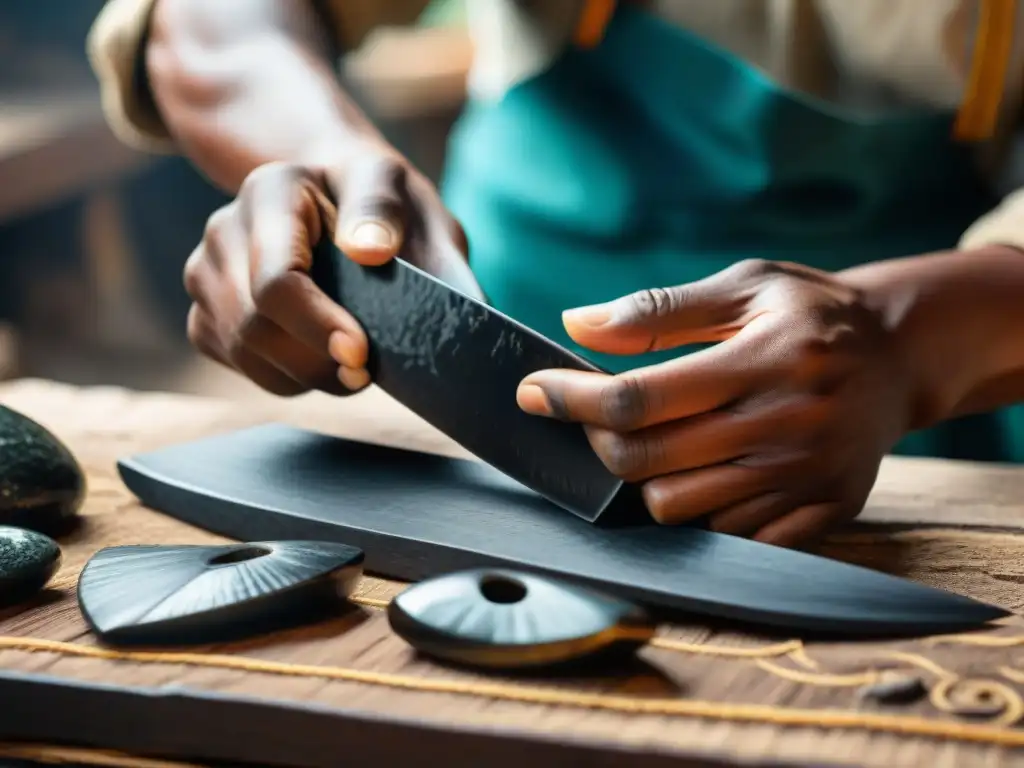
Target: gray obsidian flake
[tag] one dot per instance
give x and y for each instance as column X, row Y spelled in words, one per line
column 28, row 561
column 187, row 594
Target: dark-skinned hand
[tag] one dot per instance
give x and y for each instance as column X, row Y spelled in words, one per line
column 255, row 308
column 775, row 433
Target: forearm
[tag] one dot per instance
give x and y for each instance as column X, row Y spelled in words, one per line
column 958, row 322
column 240, row 83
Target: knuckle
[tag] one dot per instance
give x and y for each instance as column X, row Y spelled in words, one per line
column 237, row 348
column 376, row 173
column 264, row 288
column 270, row 289
column 823, row 353
column 385, row 167
column 275, row 172
column 755, row 268
column 194, row 328
column 812, row 346
column 654, row 302
column 199, row 333
column 376, row 203
column 813, row 414
column 192, row 274
column 624, row 456
column 377, row 187
column 623, row 403
column 458, row 234
column 217, row 222
column 818, row 431
column 248, row 332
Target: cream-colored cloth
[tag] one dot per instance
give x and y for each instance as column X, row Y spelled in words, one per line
column 863, row 55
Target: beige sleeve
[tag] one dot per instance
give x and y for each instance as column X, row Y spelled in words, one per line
column 117, row 39
column 1004, row 225
column 115, row 45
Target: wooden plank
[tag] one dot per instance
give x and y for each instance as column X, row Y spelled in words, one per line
column 54, row 145
column 704, row 689
column 132, row 720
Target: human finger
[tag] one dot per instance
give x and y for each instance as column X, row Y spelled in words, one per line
column 706, row 439
column 696, row 383
column 750, row 516
column 265, row 375
column 314, row 369
column 371, row 211
column 708, row 310
column 802, row 527
column 202, row 334
column 685, row 496
column 284, row 219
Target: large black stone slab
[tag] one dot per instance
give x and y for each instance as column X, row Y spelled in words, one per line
column 417, row 515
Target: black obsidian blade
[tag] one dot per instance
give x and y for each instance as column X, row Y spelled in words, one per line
column 457, row 363
column 417, row 516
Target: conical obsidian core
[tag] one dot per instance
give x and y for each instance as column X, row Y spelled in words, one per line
column 510, row 620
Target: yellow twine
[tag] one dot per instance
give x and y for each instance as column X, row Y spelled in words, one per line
column 756, row 713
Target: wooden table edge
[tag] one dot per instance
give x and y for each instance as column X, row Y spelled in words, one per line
column 133, row 720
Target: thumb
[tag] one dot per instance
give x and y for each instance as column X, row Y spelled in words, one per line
column 709, row 310
column 371, row 214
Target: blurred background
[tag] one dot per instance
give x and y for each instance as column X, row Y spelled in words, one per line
column 93, row 236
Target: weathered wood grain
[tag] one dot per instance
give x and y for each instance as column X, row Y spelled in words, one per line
column 701, row 693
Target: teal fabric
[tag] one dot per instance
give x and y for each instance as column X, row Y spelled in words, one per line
column 657, row 159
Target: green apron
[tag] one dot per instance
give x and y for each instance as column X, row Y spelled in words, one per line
column 657, row 159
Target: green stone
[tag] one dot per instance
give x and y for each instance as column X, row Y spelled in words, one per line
column 28, row 560
column 42, row 485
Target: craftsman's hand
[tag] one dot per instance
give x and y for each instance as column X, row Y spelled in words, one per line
column 775, row 433
column 255, row 308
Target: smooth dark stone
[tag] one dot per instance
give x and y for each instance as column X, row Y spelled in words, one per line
column 28, row 560
column 42, row 485
column 895, row 689
column 417, row 516
column 200, row 594
column 510, row 620
column 457, row 363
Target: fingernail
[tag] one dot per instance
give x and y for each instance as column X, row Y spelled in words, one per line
column 372, row 234
column 344, row 351
column 594, row 316
column 354, row 378
column 533, row 400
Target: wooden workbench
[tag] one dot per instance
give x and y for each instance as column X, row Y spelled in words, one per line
column 55, row 144
column 350, row 692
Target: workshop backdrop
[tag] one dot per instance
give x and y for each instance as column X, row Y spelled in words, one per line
column 93, row 236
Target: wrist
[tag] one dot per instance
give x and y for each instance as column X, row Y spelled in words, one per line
column 954, row 320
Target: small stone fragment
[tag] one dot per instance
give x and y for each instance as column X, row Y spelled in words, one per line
column 28, row 560
column 894, row 689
